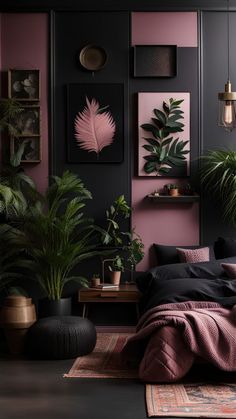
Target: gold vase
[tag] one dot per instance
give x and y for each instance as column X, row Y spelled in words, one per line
column 16, row 316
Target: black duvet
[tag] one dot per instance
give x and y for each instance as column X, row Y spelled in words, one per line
column 205, row 281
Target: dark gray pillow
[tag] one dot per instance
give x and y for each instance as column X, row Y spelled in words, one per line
column 225, row 247
column 207, row 270
column 167, row 255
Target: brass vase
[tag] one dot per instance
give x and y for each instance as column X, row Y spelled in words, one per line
column 16, row 316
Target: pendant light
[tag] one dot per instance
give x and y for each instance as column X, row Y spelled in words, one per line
column 227, row 105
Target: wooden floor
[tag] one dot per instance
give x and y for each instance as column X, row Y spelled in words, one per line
column 37, row 390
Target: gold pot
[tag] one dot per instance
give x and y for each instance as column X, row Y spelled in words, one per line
column 16, row 316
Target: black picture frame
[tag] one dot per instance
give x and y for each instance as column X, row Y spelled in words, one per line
column 110, row 98
column 155, row 61
column 24, row 85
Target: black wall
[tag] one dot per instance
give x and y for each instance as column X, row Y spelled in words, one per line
column 72, row 31
column 214, row 77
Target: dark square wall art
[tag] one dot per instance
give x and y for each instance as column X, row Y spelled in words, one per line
column 95, row 114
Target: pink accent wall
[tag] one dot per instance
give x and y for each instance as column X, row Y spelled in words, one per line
column 163, row 28
column 24, row 44
column 170, row 224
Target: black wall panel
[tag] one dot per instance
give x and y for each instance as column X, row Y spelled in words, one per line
column 214, row 77
column 72, row 31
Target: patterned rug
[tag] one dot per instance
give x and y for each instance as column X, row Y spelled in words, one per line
column 191, row 400
column 104, row 361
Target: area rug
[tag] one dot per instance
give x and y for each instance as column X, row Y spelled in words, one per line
column 104, row 361
column 191, row 400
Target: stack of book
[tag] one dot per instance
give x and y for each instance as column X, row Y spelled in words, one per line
column 106, row 286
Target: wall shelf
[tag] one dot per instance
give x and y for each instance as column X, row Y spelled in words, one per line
column 174, row 199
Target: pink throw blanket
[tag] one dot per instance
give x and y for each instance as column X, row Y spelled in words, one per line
column 170, row 337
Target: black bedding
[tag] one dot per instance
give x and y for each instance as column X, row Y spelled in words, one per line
column 205, row 281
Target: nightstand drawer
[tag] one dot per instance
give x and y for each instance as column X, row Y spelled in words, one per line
column 125, row 293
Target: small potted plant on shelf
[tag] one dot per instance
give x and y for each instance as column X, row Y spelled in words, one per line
column 172, row 189
column 95, row 280
column 115, row 268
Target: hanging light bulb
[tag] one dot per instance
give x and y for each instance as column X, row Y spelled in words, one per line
column 227, row 111
column 227, row 105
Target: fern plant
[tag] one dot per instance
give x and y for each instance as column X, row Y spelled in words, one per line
column 218, row 176
column 17, row 189
column 164, row 150
column 57, row 236
column 9, row 109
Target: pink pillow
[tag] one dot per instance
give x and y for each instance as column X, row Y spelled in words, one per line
column 230, row 269
column 194, row 255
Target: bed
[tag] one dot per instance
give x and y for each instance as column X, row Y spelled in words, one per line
column 188, row 316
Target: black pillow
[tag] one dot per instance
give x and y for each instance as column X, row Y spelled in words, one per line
column 209, row 270
column 225, row 247
column 167, row 255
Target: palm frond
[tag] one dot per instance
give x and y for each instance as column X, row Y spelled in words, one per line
column 218, row 176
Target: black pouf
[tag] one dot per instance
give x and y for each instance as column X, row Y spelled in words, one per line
column 61, row 337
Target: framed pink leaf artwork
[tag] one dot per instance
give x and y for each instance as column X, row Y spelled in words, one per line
column 94, row 127
column 95, row 114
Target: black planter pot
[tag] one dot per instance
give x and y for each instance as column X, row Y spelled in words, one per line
column 48, row 308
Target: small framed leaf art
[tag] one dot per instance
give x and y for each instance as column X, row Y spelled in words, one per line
column 164, row 134
column 95, row 114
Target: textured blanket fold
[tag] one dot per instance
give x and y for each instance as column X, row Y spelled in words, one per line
column 171, row 336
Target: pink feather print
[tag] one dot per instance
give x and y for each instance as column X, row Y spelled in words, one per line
column 94, row 130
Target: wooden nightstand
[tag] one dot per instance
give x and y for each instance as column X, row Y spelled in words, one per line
column 126, row 293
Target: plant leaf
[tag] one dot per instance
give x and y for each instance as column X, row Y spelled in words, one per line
column 94, row 130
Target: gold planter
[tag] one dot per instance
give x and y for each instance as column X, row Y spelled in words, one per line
column 16, row 316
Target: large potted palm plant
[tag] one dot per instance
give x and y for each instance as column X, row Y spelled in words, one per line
column 57, row 237
column 218, row 176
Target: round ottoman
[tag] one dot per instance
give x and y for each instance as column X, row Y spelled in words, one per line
column 61, row 337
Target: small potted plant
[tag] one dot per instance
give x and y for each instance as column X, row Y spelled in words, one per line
column 95, row 280
column 172, row 189
column 115, row 268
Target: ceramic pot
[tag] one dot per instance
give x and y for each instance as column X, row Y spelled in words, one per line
column 115, row 277
column 95, row 282
column 174, row 192
column 48, row 308
column 17, row 315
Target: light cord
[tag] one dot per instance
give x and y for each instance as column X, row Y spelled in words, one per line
column 228, row 33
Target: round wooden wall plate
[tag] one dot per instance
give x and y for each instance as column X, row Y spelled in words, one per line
column 93, row 57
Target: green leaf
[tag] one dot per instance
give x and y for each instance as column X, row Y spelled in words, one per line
column 150, row 167
column 152, row 141
column 173, row 146
column 150, row 128
column 175, row 103
column 166, row 107
column 162, row 155
column 175, row 161
column 172, row 130
column 174, row 124
column 164, row 170
column 160, row 116
column 181, row 145
column 158, row 123
column 149, row 148
column 166, row 142
column 152, row 158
